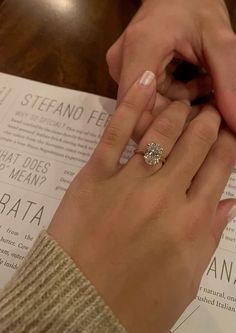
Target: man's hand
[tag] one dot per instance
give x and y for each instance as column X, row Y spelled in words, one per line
column 197, row 31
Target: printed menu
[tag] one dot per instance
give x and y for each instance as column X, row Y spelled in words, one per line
column 47, row 134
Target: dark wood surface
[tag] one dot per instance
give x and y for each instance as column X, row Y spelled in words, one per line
column 64, row 42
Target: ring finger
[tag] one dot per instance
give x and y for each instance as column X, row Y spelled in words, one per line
column 164, row 131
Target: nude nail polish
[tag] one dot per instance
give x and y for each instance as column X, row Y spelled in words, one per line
column 147, row 78
column 232, row 213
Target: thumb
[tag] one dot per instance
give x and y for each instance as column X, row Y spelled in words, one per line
column 114, row 59
column 225, row 213
column 221, row 62
column 142, row 52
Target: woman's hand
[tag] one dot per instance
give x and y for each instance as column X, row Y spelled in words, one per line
column 198, row 31
column 144, row 234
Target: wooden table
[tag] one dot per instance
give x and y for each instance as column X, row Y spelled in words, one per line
column 64, row 42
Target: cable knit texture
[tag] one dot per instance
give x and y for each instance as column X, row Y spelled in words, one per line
column 49, row 294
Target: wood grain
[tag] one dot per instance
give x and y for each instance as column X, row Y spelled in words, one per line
column 64, row 42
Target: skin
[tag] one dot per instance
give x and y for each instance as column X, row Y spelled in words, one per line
column 197, row 31
column 144, row 235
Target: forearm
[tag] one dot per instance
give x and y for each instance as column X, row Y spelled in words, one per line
column 49, row 294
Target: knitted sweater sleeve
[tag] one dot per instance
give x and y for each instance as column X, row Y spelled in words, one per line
column 48, row 294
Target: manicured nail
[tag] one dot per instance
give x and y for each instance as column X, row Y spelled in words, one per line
column 147, row 78
column 232, row 213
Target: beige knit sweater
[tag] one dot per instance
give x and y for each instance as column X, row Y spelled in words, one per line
column 49, row 294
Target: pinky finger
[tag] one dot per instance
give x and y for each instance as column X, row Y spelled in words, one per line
column 225, row 213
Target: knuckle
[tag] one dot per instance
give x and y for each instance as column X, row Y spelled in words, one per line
column 110, row 55
column 128, row 106
column 112, row 61
column 187, row 169
column 232, row 40
column 204, row 132
column 164, row 126
column 111, row 136
column 229, row 39
column 180, row 105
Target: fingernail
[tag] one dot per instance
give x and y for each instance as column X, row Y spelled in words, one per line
column 147, row 78
column 232, row 213
column 186, row 101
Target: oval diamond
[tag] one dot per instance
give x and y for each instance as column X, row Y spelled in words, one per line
column 153, row 154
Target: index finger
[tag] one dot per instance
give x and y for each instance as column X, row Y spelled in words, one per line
column 124, row 120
